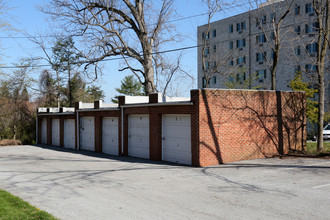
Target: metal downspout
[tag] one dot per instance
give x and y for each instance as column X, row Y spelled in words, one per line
column 78, row 136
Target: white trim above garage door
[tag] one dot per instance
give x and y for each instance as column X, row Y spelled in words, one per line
column 56, row 132
column 87, row 135
column 44, row 131
column 138, row 136
column 110, row 136
column 176, row 138
column 69, row 134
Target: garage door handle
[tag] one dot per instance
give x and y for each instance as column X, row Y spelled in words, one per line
column 163, row 138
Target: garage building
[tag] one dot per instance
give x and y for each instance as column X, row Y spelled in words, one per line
column 213, row 126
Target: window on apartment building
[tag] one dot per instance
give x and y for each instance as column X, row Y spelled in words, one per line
column 261, row 20
column 309, row 9
column 231, row 44
column 240, row 77
column 312, row 48
column 214, row 33
column 214, row 48
column 231, row 28
column 261, row 57
column 204, row 35
column 240, row 26
column 206, row 51
column 214, row 64
column 310, row 28
column 231, row 79
column 297, row 69
column 214, row 80
column 297, row 29
column 231, row 63
column 310, row 67
column 261, row 75
column 272, row 17
column 297, row 51
column 261, row 38
column 272, row 35
column 204, row 82
column 207, row 65
column 240, row 60
column 240, row 43
column 297, row 10
column 272, row 54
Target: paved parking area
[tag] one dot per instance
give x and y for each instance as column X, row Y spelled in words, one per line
column 74, row 185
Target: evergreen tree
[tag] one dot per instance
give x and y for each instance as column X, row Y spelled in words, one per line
column 129, row 86
column 95, row 92
column 65, row 60
column 49, row 90
column 297, row 84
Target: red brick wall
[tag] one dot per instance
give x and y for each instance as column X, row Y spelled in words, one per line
column 238, row 125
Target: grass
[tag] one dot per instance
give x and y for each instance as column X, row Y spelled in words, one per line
column 311, row 148
column 12, row 207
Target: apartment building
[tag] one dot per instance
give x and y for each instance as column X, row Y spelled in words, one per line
column 236, row 52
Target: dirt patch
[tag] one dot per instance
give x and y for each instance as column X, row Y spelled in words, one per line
column 305, row 155
column 9, row 142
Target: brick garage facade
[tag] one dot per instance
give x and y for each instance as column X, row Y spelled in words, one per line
column 226, row 125
column 49, row 118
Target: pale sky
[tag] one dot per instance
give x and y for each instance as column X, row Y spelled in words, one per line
column 24, row 16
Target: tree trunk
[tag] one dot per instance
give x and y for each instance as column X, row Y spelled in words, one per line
column 323, row 38
column 149, row 78
column 70, row 91
column 149, row 74
column 58, row 90
column 15, row 130
column 276, row 52
column 321, row 112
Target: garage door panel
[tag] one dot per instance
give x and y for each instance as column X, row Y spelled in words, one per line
column 44, row 131
column 87, row 133
column 110, row 136
column 138, row 136
column 56, row 132
column 176, row 132
column 69, row 133
column 176, row 144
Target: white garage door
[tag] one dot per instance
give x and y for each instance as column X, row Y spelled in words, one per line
column 138, row 136
column 176, row 144
column 69, row 133
column 44, row 131
column 87, row 133
column 56, row 132
column 110, row 135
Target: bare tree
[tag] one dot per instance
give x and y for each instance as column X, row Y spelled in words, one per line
column 274, row 26
column 322, row 11
column 215, row 59
column 124, row 28
column 213, row 6
column 168, row 72
column 49, row 59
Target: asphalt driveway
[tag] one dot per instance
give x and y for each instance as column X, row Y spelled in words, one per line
column 73, row 185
